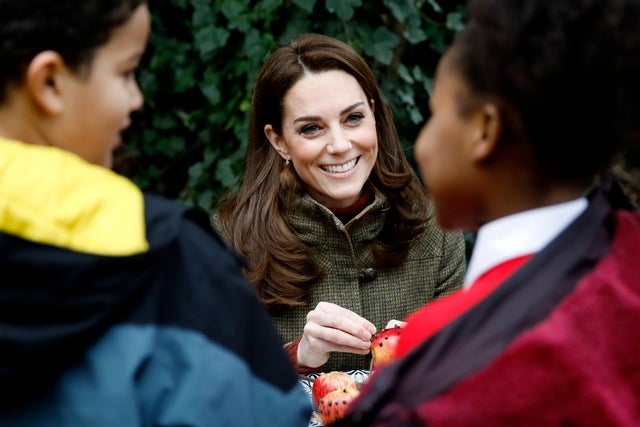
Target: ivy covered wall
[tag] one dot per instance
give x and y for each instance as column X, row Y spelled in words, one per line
column 189, row 140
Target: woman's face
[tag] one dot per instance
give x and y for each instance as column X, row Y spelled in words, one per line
column 329, row 135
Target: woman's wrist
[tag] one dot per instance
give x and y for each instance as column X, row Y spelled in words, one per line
column 292, row 351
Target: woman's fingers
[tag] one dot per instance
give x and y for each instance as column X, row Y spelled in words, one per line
column 332, row 339
column 314, row 351
column 317, row 343
column 334, row 317
column 331, row 328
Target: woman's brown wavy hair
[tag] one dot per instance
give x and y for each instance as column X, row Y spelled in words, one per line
column 254, row 221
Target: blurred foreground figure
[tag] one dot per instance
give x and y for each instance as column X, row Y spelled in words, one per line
column 117, row 308
column 531, row 106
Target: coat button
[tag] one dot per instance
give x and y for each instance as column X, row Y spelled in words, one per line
column 367, row 275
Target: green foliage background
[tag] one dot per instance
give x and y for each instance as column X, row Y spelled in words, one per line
column 189, row 140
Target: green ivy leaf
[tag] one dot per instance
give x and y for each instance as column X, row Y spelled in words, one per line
column 206, row 200
column 196, row 170
column 416, row 116
column 343, row 8
column 455, row 21
column 184, row 78
column 210, row 39
column 171, row 145
column 266, row 6
column 406, row 12
column 436, row 39
column 238, row 14
column 382, row 44
column 202, row 15
column 435, row 6
column 211, row 92
column 233, row 9
column 186, row 119
column 420, row 76
column 293, row 28
column 415, row 35
column 225, row 173
column 406, row 95
column 404, row 74
column 252, row 48
column 401, row 8
column 306, row 5
column 164, row 122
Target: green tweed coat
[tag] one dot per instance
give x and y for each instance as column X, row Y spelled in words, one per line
column 435, row 267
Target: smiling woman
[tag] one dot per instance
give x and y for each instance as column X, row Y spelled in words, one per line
column 329, row 134
column 331, row 219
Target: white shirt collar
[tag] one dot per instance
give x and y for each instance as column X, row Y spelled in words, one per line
column 519, row 234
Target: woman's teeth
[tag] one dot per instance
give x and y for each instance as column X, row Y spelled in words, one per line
column 340, row 168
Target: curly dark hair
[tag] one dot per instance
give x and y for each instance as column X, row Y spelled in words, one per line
column 568, row 68
column 74, row 29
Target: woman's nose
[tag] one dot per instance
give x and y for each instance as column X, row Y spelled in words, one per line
column 339, row 142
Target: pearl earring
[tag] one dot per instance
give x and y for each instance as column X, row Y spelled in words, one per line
column 286, row 162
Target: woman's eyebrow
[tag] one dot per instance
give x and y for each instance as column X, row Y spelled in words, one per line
column 317, row 118
column 307, row 119
column 351, row 107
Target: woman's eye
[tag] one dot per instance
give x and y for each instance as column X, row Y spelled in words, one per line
column 355, row 117
column 309, row 129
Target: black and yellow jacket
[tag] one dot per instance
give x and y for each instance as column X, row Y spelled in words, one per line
column 123, row 309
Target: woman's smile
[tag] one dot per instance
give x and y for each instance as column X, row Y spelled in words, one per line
column 339, row 169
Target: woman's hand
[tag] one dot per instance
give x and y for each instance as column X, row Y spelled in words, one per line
column 332, row 328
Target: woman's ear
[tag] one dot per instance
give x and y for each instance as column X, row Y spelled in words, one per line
column 488, row 132
column 277, row 142
column 42, row 81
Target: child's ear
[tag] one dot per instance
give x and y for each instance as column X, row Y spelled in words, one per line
column 277, row 142
column 42, row 81
column 489, row 129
